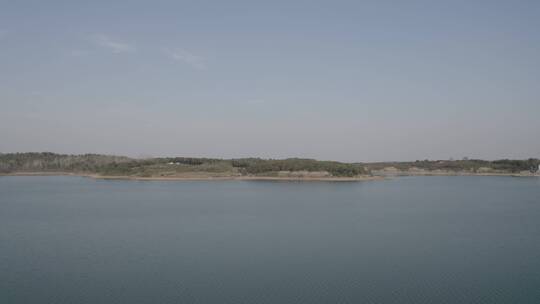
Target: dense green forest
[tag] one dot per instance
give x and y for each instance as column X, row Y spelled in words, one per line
column 118, row 165
column 109, row 165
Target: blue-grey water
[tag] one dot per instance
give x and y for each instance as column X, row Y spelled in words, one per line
column 405, row 240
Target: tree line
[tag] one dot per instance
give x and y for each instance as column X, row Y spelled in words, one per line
column 121, row 165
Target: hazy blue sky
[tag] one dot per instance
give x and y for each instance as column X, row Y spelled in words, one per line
column 344, row 80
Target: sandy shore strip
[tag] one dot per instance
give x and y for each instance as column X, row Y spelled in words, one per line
column 244, row 178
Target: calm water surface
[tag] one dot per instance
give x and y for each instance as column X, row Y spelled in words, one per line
column 406, row 240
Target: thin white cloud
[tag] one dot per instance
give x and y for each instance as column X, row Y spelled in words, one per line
column 180, row 55
column 113, row 45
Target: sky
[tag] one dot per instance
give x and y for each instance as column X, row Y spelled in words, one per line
column 352, row 81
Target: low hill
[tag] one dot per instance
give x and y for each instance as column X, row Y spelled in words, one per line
column 108, row 165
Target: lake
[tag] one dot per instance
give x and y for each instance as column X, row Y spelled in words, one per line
column 405, row 240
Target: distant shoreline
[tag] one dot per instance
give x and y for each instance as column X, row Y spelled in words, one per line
column 290, row 169
column 200, row 178
column 376, row 177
